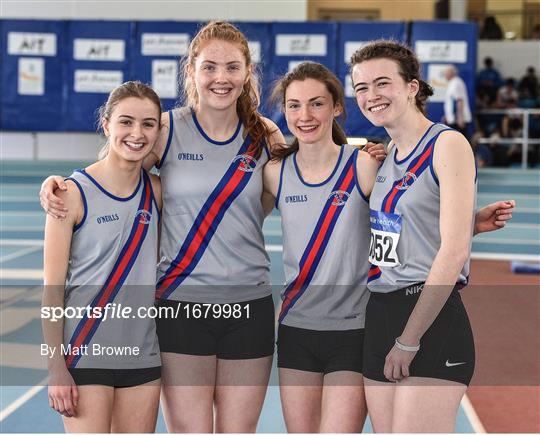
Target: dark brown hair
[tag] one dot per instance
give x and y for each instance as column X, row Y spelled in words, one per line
column 315, row 71
column 408, row 64
column 125, row 90
column 248, row 103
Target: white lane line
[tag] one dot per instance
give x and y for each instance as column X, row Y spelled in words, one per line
column 516, row 196
column 25, row 213
column 20, row 242
column 21, row 273
column 12, row 407
column 7, row 198
column 509, row 257
column 471, row 414
column 474, row 255
column 20, row 253
column 274, row 248
column 23, row 186
column 22, row 229
column 494, row 241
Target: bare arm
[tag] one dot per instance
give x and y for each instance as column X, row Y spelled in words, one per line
column 63, row 394
column 268, row 197
column 367, row 164
column 454, row 166
column 158, row 150
column 156, row 187
column 493, row 216
column 53, row 204
column 271, row 173
column 276, row 137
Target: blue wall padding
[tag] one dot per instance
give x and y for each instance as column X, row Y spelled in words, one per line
column 452, row 32
column 290, row 46
column 93, row 88
column 158, row 48
column 67, row 104
column 356, row 124
column 260, row 34
column 32, row 75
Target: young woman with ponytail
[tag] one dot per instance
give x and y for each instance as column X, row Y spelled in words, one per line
column 418, row 348
column 320, row 185
column 217, row 347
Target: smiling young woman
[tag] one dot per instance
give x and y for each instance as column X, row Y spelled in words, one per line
column 420, row 248
column 92, row 260
column 320, row 185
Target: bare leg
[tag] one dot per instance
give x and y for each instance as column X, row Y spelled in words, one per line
column 187, row 392
column 301, row 399
column 240, row 390
column 426, row 405
column 136, row 408
column 380, row 403
column 94, row 410
column 343, row 403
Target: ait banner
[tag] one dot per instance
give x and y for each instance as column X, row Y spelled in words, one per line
column 97, row 61
column 158, row 48
column 32, row 75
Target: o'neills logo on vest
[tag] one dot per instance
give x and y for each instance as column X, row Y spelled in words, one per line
column 144, row 217
column 295, row 198
column 339, row 197
column 247, row 162
column 190, row 156
column 408, row 179
column 107, row 218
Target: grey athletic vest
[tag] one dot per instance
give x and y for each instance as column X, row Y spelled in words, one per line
column 112, row 264
column 406, row 201
column 212, row 245
column 325, row 245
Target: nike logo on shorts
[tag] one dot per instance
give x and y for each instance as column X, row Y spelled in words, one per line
column 449, row 364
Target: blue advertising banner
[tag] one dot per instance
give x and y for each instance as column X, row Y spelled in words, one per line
column 353, row 36
column 97, row 62
column 32, row 75
column 295, row 42
column 439, row 44
column 158, row 48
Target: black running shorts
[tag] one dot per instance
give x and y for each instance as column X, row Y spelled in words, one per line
column 320, row 351
column 446, row 349
column 241, row 330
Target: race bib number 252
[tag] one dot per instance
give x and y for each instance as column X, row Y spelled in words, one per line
column 385, row 233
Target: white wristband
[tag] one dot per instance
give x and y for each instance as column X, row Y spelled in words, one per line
column 407, row 348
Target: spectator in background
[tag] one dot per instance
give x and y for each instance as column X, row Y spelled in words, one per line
column 457, row 112
column 491, row 29
column 528, row 86
column 535, row 34
column 507, row 96
column 488, row 80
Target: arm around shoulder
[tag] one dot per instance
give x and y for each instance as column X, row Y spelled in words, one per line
column 271, row 176
column 156, row 187
column 158, row 150
column 58, row 234
column 276, row 137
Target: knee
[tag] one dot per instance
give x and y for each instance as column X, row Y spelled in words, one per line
column 189, row 424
